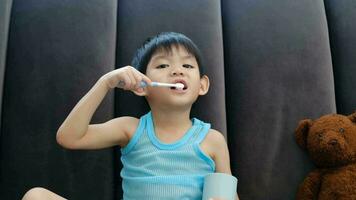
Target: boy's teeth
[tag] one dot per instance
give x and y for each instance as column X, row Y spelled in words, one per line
column 181, row 85
column 175, row 88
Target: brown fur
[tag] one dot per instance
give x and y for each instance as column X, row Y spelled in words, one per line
column 331, row 145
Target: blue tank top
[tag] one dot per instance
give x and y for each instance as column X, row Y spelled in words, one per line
column 154, row 170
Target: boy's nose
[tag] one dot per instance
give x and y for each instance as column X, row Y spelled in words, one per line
column 177, row 71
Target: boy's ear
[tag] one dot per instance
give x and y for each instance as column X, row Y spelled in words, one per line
column 204, row 85
column 301, row 133
column 140, row 91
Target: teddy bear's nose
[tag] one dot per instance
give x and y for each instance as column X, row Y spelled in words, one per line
column 332, row 142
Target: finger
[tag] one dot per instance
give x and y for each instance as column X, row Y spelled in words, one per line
column 127, row 78
column 144, row 78
column 139, row 90
column 138, row 78
column 132, row 78
column 125, row 82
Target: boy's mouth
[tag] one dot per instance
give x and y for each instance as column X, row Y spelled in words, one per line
column 182, row 82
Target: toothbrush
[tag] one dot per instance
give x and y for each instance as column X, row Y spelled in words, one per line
column 178, row 86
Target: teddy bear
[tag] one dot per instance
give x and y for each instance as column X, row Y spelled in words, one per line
column 330, row 142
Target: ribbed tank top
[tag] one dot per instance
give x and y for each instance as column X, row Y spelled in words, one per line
column 154, row 170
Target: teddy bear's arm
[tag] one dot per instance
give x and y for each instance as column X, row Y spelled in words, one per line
column 310, row 187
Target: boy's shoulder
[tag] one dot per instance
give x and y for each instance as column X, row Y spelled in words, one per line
column 214, row 137
column 127, row 119
column 214, row 140
column 128, row 123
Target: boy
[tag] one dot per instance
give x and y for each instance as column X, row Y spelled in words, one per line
column 165, row 154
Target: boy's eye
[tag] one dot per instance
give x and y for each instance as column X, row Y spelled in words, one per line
column 162, row 66
column 188, row 66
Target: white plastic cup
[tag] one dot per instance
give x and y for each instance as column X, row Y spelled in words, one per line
column 220, row 186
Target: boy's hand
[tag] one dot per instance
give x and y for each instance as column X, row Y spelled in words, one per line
column 127, row 78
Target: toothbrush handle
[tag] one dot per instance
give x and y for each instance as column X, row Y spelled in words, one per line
column 153, row 84
column 157, row 84
column 143, row 84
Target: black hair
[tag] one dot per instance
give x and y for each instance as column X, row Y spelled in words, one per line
column 164, row 41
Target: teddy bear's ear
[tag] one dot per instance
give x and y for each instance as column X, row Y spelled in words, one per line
column 301, row 132
column 352, row 117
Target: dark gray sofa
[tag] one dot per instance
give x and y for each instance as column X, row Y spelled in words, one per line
column 271, row 64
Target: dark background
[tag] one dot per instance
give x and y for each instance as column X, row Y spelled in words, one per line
column 271, row 64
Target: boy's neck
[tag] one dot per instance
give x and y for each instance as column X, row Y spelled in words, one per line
column 171, row 119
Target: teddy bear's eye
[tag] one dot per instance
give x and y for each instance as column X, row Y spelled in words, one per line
column 341, row 130
column 320, row 135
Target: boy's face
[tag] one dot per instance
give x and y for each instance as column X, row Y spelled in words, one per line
column 177, row 66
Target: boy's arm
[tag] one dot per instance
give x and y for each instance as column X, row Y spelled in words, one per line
column 220, row 152
column 76, row 133
column 117, row 131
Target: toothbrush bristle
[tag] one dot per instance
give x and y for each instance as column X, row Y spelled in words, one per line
column 179, row 86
